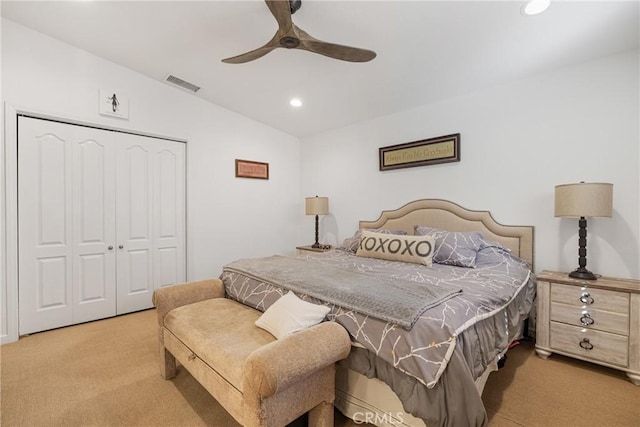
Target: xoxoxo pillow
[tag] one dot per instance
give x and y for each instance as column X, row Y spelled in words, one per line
column 352, row 243
column 414, row 249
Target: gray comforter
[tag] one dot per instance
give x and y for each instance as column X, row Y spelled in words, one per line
column 497, row 293
column 393, row 300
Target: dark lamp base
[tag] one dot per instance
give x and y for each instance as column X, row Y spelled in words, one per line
column 316, row 245
column 582, row 273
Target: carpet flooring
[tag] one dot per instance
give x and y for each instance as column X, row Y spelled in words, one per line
column 105, row 373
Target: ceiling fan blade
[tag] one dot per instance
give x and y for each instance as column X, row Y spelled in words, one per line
column 249, row 56
column 281, row 10
column 256, row 53
column 332, row 50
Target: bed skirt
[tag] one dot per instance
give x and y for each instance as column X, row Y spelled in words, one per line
column 369, row 400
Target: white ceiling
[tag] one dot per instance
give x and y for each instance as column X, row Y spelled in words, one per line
column 427, row 50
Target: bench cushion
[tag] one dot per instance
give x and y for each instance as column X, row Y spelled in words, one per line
column 211, row 329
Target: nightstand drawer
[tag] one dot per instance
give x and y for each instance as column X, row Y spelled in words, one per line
column 591, row 298
column 590, row 344
column 588, row 317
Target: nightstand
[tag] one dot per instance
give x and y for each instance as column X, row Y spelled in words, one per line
column 593, row 320
column 300, row 250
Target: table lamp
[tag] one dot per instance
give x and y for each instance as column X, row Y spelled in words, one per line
column 583, row 200
column 316, row 206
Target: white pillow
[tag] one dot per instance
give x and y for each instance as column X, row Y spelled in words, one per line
column 290, row 314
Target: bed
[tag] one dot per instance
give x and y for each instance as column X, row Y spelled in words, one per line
column 408, row 369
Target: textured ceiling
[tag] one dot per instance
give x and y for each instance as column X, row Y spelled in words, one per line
column 427, row 50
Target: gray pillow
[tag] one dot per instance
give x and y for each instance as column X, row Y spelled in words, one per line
column 454, row 248
column 491, row 253
column 352, row 243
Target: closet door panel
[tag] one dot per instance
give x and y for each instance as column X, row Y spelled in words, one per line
column 139, row 264
column 51, row 284
column 134, row 219
column 44, row 225
column 169, row 208
column 94, row 278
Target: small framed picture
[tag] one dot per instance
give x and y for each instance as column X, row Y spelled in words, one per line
column 112, row 103
column 251, row 169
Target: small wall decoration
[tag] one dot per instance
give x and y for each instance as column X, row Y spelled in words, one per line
column 443, row 149
column 113, row 103
column 251, row 169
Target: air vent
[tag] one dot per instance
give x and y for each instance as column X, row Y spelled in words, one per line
column 181, row 83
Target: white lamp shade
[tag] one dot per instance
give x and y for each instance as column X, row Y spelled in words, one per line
column 585, row 199
column 316, row 205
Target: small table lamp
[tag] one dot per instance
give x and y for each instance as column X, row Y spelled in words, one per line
column 316, row 206
column 583, row 200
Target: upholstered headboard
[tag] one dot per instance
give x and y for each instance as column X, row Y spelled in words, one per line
column 449, row 216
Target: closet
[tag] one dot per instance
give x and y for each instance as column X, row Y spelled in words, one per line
column 101, row 222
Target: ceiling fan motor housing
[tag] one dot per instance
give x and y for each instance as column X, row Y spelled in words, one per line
column 295, row 5
column 289, row 42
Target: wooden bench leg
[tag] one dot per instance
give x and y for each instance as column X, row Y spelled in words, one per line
column 167, row 364
column 321, row 415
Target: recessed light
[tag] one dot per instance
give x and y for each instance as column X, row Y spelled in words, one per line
column 534, row 7
column 295, row 102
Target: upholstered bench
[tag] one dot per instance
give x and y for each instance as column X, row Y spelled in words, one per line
column 258, row 379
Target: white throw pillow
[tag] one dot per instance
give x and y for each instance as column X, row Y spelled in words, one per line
column 290, row 314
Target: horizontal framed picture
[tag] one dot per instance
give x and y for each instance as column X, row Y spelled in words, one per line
column 443, row 149
column 251, row 169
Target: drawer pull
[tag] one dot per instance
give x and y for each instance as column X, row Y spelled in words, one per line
column 586, row 344
column 192, row 356
column 586, row 298
column 587, row 320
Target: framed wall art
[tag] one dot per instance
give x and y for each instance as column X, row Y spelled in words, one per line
column 113, row 104
column 443, row 149
column 251, row 169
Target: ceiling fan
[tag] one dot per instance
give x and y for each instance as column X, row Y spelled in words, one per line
column 290, row 36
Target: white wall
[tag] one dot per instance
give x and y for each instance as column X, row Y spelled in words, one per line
column 4, row 320
column 228, row 217
column 518, row 141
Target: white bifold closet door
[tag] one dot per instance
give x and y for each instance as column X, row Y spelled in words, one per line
column 101, row 222
column 150, row 214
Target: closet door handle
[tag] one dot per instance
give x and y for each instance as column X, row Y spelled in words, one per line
column 120, row 246
column 110, row 248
